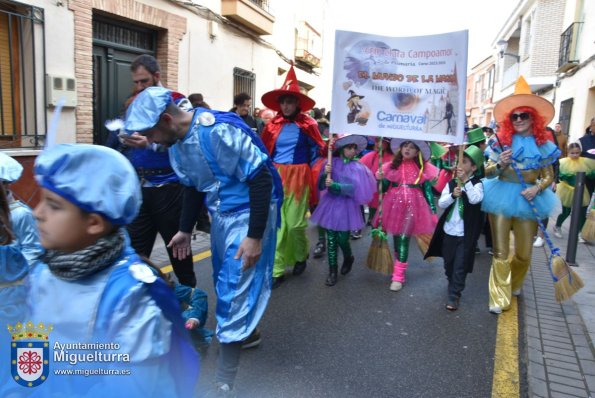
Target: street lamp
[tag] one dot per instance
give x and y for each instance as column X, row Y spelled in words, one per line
column 502, row 45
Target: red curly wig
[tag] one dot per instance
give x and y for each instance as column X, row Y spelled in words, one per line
column 539, row 131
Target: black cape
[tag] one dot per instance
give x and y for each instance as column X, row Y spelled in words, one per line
column 473, row 220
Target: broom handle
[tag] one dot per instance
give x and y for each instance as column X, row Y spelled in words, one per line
column 516, row 169
column 591, row 204
column 380, row 183
column 329, row 155
column 554, row 251
column 460, row 164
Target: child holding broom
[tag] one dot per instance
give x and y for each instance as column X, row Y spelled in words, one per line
column 408, row 208
column 569, row 166
column 346, row 185
column 460, row 224
column 371, row 160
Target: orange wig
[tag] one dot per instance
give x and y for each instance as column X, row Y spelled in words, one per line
column 539, row 132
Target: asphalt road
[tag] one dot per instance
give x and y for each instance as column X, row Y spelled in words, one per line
column 358, row 339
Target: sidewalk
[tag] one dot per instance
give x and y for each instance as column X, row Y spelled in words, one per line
column 560, row 356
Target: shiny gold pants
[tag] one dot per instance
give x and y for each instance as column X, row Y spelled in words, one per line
column 508, row 272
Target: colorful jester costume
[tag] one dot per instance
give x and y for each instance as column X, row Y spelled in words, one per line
column 294, row 144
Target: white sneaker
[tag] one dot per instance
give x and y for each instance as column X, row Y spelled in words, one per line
column 495, row 310
column 395, row 286
column 557, row 232
column 518, row 291
column 580, row 239
column 538, row 242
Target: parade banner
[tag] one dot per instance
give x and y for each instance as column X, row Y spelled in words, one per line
column 404, row 87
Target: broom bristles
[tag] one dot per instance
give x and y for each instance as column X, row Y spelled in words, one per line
column 380, row 258
column 588, row 231
column 569, row 282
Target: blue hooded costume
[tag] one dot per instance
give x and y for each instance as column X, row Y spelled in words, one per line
column 219, row 155
column 123, row 305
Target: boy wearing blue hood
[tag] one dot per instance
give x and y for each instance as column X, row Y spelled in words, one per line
column 21, row 217
column 93, row 288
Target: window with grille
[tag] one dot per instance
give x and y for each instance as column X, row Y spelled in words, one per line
column 244, row 82
column 565, row 114
column 527, row 36
column 22, row 71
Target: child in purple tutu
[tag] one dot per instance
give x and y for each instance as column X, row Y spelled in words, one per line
column 345, row 185
column 408, row 208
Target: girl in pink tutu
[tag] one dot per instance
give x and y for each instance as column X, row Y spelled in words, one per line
column 345, row 185
column 371, row 160
column 408, row 208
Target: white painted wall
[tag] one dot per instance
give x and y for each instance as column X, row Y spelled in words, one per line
column 59, row 61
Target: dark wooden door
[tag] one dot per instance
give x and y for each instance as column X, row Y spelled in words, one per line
column 114, row 48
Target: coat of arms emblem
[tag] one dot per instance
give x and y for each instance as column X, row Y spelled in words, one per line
column 29, row 358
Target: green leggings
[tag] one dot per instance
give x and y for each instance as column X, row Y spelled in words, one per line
column 566, row 212
column 401, row 247
column 337, row 238
column 321, row 234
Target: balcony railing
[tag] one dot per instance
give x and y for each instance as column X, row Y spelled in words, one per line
column 253, row 14
column 264, row 4
column 567, row 57
column 510, row 75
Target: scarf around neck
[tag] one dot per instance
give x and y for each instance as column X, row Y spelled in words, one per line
column 88, row 261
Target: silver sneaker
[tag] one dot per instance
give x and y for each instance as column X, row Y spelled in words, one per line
column 496, row 310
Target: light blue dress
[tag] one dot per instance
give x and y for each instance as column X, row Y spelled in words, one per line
column 13, row 309
column 219, row 159
column 527, row 155
column 25, row 229
column 124, row 305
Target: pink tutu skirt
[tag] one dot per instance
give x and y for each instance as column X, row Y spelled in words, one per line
column 405, row 211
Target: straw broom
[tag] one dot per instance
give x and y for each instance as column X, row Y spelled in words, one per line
column 566, row 281
column 380, row 258
column 588, row 231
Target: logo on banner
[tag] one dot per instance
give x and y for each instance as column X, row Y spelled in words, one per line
column 29, row 355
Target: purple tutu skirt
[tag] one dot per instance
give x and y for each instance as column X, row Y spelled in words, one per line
column 343, row 212
column 338, row 213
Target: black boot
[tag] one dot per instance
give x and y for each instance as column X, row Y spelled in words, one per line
column 299, row 267
column 277, row 281
column 347, row 263
column 319, row 249
column 331, row 279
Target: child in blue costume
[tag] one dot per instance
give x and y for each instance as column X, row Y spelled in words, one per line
column 93, row 288
column 215, row 152
column 13, row 290
column 21, row 217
